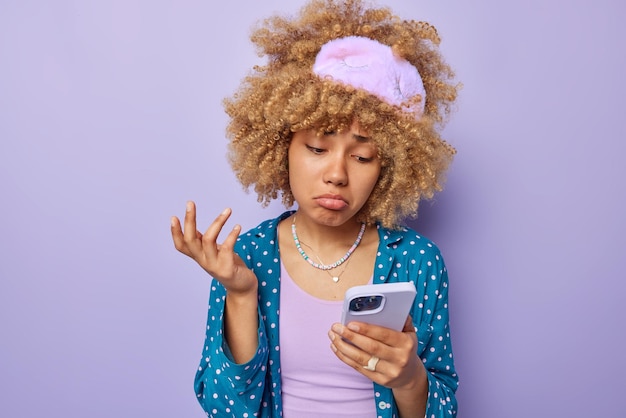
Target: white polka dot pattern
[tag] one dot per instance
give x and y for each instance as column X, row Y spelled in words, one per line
column 226, row 389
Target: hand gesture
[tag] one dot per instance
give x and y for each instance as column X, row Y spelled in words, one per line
column 386, row 356
column 219, row 260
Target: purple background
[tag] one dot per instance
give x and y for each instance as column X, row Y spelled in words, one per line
column 110, row 119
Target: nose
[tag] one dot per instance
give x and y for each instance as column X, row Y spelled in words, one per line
column 336, row 170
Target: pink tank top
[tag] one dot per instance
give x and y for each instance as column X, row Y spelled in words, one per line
column 314, row 381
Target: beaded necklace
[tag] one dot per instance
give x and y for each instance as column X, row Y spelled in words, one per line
column 336, row 276
column 320, row 265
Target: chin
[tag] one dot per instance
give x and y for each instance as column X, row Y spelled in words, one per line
column 334, row 218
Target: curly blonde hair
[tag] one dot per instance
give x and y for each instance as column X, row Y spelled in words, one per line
column 284, row 96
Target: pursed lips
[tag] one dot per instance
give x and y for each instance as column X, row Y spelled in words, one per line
column 331, row 201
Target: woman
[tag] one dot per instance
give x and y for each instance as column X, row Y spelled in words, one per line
column 340, row 123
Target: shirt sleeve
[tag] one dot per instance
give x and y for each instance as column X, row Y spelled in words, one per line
column 223, row 387
column 431, row 319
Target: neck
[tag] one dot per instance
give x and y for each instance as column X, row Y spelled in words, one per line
column 320, row 263
column 321, row 236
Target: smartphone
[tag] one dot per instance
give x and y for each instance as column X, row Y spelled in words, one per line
column 385, row 304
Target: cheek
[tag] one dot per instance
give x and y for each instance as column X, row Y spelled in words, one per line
column 297, row 173
column 375, row 173
column 369, row 180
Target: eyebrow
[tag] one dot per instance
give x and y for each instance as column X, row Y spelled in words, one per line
column 361, row 138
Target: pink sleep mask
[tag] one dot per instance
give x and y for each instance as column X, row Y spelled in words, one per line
column 366, row 64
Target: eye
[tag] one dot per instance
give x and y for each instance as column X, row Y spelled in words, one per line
column 314, row 150
column 362, row 159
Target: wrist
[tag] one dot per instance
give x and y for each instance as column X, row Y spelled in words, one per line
column 244, row 303
column 243, row 296
column 417, row 385
column 412, row 397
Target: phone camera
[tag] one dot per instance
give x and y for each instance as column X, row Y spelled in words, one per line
column 366, row 303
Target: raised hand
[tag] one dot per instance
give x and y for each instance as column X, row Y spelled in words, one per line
column 219, row 260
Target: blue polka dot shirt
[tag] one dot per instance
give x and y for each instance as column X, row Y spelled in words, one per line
column 227, row 389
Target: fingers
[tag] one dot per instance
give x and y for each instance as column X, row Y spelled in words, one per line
column 367, row 336
column 184, row 238
column 192, row 242
column 374, row 364
column 219, row 260
column 352, row 344
column 216, row 226
column 229, row 243
column 357, row 343
column 177, row 235
column 350, row 354
column 190, row 233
